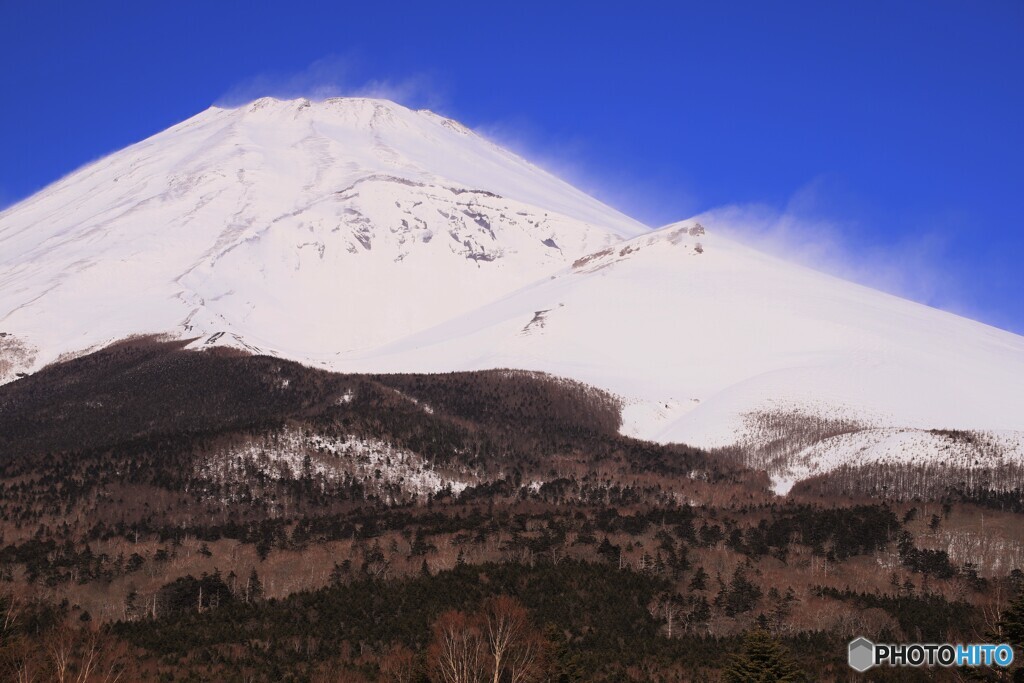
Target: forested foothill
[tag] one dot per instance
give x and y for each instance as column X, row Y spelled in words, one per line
column 177, row 515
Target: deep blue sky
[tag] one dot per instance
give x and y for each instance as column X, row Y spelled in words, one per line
column 890, row 134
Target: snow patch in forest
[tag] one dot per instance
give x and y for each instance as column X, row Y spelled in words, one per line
column 293, row 455
column 964, row 451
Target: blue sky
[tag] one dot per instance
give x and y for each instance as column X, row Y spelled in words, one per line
column 881, row 140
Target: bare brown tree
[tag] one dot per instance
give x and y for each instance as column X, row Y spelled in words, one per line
column 667, row 608
column 514, row 647
column 399, row 665
column 458, row 653
column 79, row 657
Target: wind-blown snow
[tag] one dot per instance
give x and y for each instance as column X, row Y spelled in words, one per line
column 359, row 235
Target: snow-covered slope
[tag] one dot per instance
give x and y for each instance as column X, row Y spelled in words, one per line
column 698, row 333
column 357, row 234
column 303, row 228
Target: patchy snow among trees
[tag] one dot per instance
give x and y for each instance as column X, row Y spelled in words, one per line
column 292, row 455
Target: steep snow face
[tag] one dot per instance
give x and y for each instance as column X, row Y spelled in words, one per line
column 697, row 332
column 303, row 228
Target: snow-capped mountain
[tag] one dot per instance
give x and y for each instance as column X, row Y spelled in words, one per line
column 303, row 228
column 359, row 235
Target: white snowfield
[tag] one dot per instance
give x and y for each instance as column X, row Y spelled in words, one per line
column 356, row 234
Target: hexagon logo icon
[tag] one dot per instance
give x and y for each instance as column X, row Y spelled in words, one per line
column 862, row 654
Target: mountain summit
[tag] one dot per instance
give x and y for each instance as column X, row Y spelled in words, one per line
column 303, row 228
column 356, row 234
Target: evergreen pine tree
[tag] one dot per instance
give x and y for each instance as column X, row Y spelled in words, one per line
column 566, row 665
column 763, row 660
column 337, row 575
column 701, row 612
column 254, row 588
column 1012, row 627
column 1012, row 622
column 700, row 580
